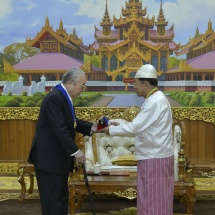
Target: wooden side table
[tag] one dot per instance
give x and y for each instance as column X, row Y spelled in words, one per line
column 186, row 193
column 24, row 169
column 123, row 186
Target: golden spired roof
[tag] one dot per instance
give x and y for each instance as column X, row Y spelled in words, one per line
column 210, row 29
column 133, row 13
column 198, row 43
column 161, row 19
column 133, row 41
column 47, row 21
column 61, row 25
column 106, row 19
column 133, row 8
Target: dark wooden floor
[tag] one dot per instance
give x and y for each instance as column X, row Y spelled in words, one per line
column 32, row 207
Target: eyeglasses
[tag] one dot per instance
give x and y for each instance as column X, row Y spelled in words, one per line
column 83, row 86
column 136, row 83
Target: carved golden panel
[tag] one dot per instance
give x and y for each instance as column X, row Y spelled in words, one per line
column 198, row 113
column 53, row 47
column 184, row 66
column 92, row 114
column 45, row 47
column 19, row 113
column 133, row 37
column 86, row 67
column 134, row 62
column 134, row 55
column 209, row 174
column 129, row 193
column 50, row 38
column 8, row 168
column 131, row 112
column 7, row 66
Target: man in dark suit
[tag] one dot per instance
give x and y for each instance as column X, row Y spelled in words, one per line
column 53, row 149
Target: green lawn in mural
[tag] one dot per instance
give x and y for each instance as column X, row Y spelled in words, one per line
column 103, row 99
column 21, row 101
column 197, row 99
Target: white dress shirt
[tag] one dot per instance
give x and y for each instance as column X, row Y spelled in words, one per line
column 72, row 105
column 152, row 129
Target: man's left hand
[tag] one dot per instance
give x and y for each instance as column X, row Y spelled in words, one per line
column 94, row 127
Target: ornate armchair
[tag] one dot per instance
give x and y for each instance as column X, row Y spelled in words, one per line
column 184, row 187
column 113, row 153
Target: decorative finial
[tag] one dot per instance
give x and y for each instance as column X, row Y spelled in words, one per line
column 61, row 25
column 106, row 18
column 210, row 25
column 47, row 21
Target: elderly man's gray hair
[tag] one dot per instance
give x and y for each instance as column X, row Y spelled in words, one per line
column 72, row 74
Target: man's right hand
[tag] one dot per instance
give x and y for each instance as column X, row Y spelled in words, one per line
column 80, row 157
column 104, row 130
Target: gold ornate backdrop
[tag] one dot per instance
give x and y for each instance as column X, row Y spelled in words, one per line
column 17, row 127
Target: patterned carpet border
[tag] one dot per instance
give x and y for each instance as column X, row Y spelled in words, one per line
column 11, row 189
column 126, row 211
column 7, row 196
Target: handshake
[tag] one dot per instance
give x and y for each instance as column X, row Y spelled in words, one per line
column 104, row 122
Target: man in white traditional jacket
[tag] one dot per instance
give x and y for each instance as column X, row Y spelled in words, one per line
column 154, row 151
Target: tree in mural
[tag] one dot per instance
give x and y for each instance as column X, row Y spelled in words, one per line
column 20, row 52
column 174, row 61
column 14, row 54
column 94, row 59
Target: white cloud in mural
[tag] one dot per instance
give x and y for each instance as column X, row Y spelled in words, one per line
column 27, row 5
column 96, row 8
column 24, row 18
column 5, row 8
column 185, row 15
column 36, row 22
column 188, row 15
column 86, row 31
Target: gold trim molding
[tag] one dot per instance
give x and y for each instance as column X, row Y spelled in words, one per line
column 92, row 114
column 209, row 174
column 19, row 113
column 9, row 168
column 194, row 113
column 129, row 193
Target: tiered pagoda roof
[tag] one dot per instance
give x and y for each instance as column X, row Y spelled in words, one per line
column 49, row 62
column 196, row 64
column 200, row 53
column 60, row 35
column 133, row 12
column 59, row 51
column 134, row 18
column 198, row 43
column 106, row 19
column 161, row 19
column 99, row 34
column 168, row 35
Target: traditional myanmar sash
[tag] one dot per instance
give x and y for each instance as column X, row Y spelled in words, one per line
column 59, row 87
column 152, row 92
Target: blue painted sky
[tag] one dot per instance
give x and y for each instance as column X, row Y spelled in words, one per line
column 24, row 18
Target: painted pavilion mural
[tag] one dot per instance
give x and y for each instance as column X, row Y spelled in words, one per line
column 122, row 45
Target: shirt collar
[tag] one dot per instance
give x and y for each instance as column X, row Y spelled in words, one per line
column 67, row 93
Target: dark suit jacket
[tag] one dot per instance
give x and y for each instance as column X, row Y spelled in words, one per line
column 54, row 140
